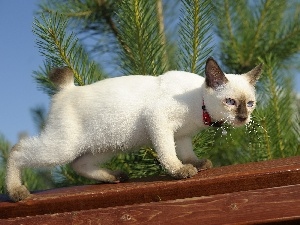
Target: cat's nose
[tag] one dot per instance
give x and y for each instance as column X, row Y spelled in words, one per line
column 242, row 118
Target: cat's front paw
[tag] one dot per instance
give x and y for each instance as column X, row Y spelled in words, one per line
column 18, row 193
column 186, row 171
column 203, row 164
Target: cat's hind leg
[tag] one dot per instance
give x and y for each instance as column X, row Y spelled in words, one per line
column 88, row 165
column 15, row 189
column 34, row 152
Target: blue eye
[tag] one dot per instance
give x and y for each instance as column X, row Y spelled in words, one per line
column 250, row 103
column 230, row 101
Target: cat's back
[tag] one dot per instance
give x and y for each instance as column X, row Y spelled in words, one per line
column 124, row 85
column 136, row 82
column 182, row 77
column 143, row 85
column 133, row 89
column 180, row 81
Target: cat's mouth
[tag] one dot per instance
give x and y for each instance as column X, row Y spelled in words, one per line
column 237, row 121
column 240, row 121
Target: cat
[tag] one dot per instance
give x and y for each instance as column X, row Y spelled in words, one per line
column 88, row 125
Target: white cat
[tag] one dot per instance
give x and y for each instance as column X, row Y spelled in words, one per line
column 88, row 125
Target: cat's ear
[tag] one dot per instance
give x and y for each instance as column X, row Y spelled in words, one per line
column 214, row 75
column 254, row 74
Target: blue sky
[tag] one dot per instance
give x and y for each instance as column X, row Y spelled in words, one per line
column 18, row 58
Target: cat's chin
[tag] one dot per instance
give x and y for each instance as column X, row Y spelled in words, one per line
column 238, row 123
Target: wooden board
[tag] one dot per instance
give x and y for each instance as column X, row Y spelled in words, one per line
column 222, row 180
column 264, row 206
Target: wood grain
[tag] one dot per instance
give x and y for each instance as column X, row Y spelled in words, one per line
column 264, row 206
column 222, row 180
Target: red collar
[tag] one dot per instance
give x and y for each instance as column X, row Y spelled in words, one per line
column 207, row 119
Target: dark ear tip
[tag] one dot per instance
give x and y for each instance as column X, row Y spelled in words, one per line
column 210, row 59
column 260, row 67
column 211, row 62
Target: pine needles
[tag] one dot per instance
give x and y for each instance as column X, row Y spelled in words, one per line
column 140, row 33
column 61, row 49
column 4, row 151
column 249, row 30
column 195, row 35
column 278, row 114
column 263, row 32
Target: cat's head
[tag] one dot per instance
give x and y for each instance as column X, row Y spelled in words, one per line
column 229, row 97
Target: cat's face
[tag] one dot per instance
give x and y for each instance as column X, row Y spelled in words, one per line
column 230, row 98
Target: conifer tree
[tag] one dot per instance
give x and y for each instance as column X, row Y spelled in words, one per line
column 104, row 38
column 143, row 47
column 265, row 32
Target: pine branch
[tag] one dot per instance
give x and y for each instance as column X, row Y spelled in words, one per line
column 249, row 32
column 259, row 127
column 273, row 91
column 255, row 30
column 139, row 29
column 228, row 23
column 53, row 43
column 160, row 18
column 39, row 115
column 265, row 26
column 90, row 15
column 4, row 152
column 203, row 142
column 60, row 49
column 287, row 41
column 195, row 35
column 42, row 79
column 277, row 113
column 137, row 165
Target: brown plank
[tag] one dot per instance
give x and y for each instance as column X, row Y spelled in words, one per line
column 264, row 206
column 220, row 180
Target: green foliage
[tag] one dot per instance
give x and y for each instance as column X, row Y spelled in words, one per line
column 255, row 29
column 39, row 115
column 4, row 151
column 195, row 35
column 93, row 21
column 278, row 116
column 62, row 49
column 144, row 51
column 133, row 32
column 137, row 165
column 261, row 32
column 138, row 25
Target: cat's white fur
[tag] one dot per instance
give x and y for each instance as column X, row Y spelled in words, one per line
column 88, row 125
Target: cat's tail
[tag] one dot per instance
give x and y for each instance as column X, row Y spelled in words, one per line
column 62, row 77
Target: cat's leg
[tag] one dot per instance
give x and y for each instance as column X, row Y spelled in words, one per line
column 15, row 189
column 33, row 152
column 185, row 153
column 88, row 165
column 162, row 138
